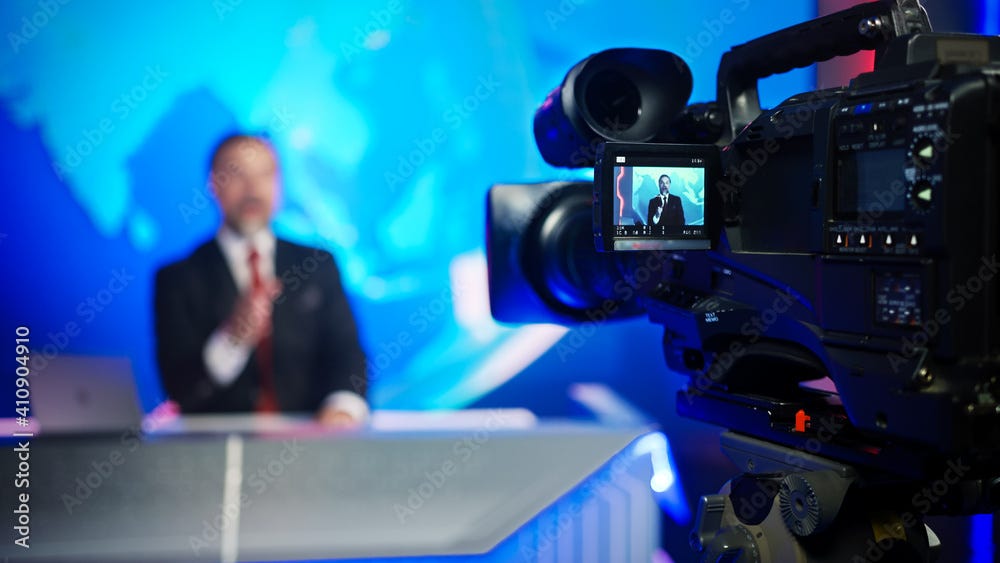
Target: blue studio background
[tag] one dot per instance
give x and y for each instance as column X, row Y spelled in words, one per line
column 392, row 119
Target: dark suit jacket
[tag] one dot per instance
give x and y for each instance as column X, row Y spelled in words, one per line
column 673, row 211
column 315, row 339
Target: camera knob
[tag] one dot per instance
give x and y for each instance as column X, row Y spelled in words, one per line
column 922, row 194
column 810, row 502
column 923, row 152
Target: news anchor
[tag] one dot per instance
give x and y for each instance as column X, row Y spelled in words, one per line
column 252, row 323
column 665, row 209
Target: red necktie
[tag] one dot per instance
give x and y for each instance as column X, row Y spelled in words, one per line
column 267, row 398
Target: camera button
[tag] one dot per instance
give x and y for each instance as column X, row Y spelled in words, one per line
column 922, row 195
column 923, row 152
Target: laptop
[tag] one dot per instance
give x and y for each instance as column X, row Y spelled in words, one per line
column 85, row 395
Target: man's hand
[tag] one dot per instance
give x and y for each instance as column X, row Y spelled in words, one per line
column 332, row 417
column 251, row 317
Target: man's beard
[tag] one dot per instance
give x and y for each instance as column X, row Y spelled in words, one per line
column 247, row 227
column 255, row 222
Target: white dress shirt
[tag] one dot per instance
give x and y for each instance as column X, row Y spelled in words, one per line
column 224, row 358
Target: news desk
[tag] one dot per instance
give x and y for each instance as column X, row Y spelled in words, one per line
column 492, row 486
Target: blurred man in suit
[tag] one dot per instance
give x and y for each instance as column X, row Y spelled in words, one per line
column 252, row 323
column 665, row 209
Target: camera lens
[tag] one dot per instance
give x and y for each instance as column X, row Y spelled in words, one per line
column 573, row 274
column 613, row 100
column 560, row 262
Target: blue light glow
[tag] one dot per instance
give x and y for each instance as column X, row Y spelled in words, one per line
column 664, row 481
column 989, row 20
column 391, row 121
column 981, row 541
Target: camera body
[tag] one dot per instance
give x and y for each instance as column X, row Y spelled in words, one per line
column 825, row 272
column 830, row 259
column 859, row 242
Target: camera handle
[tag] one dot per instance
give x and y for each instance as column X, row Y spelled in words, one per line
column 862, row 27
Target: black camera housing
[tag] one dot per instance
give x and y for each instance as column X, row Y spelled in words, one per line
column 875, row 213
column 852, row 235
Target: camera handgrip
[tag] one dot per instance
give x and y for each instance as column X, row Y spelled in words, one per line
column 862, row 27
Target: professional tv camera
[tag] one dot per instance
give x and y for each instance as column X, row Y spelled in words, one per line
column 825, row 271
